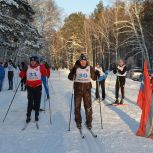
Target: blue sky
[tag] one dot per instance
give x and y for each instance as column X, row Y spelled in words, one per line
column 86, row 6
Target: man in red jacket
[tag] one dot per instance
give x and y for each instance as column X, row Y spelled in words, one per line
column 34, row 86
column 45, row 77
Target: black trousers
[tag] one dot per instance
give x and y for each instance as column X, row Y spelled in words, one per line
column 34, row 97
column 102, row 85
column 23, row 84
column 120, row 83
column 10, row 79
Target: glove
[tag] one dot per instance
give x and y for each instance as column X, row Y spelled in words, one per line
column 72, row 74
column 97, row 73
column 47, row 65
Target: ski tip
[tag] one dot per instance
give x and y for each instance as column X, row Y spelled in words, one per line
column 113, row 104
column 95, row 136
column 37, row 125
column 23, row 129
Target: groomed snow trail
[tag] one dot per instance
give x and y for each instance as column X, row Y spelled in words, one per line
column 118, row 136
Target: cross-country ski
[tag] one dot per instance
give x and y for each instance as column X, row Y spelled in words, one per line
column 81, row 133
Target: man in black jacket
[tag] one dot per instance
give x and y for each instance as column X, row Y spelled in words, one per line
column 82, row 74
column 120, row 71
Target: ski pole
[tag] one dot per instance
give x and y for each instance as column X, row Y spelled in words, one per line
column 50, row 111
column 11, row 102
column 70, row 111
column 50, row 114
column 109, row 84
column 100, row 106
column 44, row 103
column 52, row 89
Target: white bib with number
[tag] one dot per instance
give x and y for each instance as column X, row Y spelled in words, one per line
column 33, row 74
column 121, row 68
column 83, row 75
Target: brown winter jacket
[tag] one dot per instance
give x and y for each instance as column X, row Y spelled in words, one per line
column 82, row 86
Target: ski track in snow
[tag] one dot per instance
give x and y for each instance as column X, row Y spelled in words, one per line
column 120, row 123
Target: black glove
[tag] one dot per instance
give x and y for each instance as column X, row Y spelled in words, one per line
column 97, row 73
column 114, row 69
column 72, row 74
column 47, row 65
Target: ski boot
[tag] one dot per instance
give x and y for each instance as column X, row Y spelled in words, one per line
column 36, row 118
column 48, row 97
column 116, row 101
column 121, row 101
column 28, row 119
column 79, row 126
column 88, row 125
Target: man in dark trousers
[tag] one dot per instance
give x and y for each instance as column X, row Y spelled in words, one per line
column 23, row 80
column 34, row 86
column 2, row 75
column 44, row 78
column 120, row 71
column 11, row 69
column 82, row 74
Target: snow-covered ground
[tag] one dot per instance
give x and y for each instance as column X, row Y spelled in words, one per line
column 118, row 136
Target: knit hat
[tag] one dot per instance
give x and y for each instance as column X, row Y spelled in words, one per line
column 34, row 58
column 82, row 57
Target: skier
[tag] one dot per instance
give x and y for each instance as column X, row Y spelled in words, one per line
column 2, row 75
column 82, row 74
column 23, row 69
column 121, row 71
column 34, row 86
column 10, row 67
column 101, row 81
column 46, row 76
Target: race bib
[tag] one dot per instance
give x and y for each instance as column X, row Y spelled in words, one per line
column 83, row 75
column 33, row 74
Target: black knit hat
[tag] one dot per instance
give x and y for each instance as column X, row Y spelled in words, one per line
column 82, row 57
column 34, row 58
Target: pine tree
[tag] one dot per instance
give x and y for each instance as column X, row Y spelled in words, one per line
column 18, row 37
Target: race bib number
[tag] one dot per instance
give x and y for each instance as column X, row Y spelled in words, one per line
column 33, row 74
column 83, row 75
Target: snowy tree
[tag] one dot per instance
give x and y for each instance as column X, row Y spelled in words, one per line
column 46, row 19
column 19, row 38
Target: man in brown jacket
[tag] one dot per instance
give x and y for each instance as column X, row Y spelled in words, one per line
column 82, row 74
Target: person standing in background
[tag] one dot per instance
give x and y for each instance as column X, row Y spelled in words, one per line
column 10, row 74
column 120, row 71
column 23, row 80
column 2, row 75
column 101, row 81
column 45, row 77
